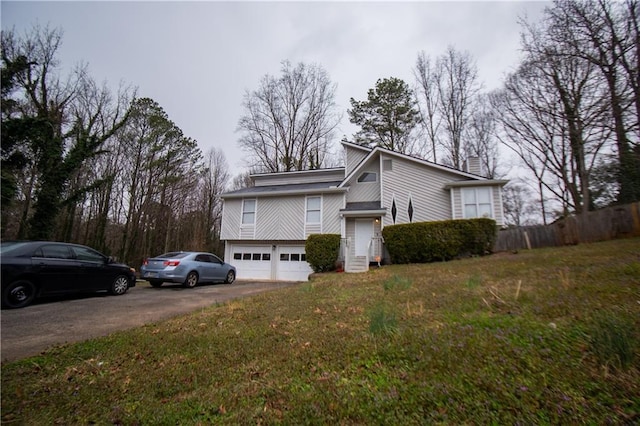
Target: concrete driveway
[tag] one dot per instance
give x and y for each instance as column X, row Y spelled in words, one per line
column 48, row 322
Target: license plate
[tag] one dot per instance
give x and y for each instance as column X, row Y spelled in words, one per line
column 151, row 274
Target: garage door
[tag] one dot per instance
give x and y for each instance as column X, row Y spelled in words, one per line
column 292, row 264
column 252, row 262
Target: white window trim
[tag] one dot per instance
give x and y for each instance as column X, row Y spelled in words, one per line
column 475, row 189
column 306, row 209
column 255, row 212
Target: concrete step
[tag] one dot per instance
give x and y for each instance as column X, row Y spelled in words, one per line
column 357, row 264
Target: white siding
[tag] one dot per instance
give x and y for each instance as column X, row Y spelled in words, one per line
column 365, row 191
column 497, row 205
column 280, row 218
column 331, row 205
column 354, row 157
column 231, row 216
column 425, row 186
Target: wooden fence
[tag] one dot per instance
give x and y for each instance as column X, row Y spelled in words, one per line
column 600, row 225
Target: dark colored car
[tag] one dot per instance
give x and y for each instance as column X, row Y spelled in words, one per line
column 188, row 268
column 32, row 269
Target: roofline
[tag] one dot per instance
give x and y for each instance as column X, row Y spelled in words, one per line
column 410, row 158
column 295, row 172
column 250, row 194
column 355, row 145
column 486, row 182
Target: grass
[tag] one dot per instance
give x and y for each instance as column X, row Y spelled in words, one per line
column 547, row 336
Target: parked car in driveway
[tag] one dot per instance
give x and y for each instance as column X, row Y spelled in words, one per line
column 188, row 268
column 32, row 269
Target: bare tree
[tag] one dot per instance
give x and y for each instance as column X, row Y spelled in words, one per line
column 605, row 35
column 457, row 87
column 243, row 180
column 481, row 140
column 427, row 95
column 519, row 208
column 288, row 121
column 71, row 121
column 446, row 92
column 214, row 183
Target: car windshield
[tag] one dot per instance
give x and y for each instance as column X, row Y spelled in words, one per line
column 8, row 246
column 173, row 255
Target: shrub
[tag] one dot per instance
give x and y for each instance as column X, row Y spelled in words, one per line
column 322, row 251
column 443, row 240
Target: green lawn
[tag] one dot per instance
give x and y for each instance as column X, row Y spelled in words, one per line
column 549, row 336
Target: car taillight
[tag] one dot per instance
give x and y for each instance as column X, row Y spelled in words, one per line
column 145, row 262
column 171, row 263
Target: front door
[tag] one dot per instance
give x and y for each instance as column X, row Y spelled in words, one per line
column 364, row 233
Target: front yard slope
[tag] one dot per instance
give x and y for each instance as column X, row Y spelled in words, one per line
column 547, row 336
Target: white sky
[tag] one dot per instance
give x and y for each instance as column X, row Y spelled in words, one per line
column 197, row 59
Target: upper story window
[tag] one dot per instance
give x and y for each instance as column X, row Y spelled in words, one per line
column 314, row 205
column 477, row 202
column 368, row 177
column 248, row 212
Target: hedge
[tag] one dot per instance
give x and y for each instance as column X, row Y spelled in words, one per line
column 424, row 242
column 322, row 251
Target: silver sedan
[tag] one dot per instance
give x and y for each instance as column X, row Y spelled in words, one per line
column 188, row 268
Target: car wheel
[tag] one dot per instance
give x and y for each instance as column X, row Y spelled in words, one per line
column 18, row 294
column 120, row 285
column 192, row 280
column 155, row 284
column 231, row 277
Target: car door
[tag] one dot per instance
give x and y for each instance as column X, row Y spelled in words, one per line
column 56, row 267
column 206, row 268
column 218, row 272
column 93, row 273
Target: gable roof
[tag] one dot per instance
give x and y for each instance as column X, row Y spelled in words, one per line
column 374, row 151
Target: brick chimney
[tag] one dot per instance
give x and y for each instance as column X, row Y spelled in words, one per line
column 472, row 165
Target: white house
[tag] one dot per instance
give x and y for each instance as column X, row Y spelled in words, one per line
column 264, row 227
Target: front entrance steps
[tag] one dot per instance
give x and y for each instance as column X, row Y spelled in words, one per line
column 357, row 264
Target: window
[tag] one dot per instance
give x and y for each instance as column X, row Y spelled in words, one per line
column 266, row 256
column 237, row 256
column 248, row 212
column 256, row 256
column 54, row 252
column 368, row 177
column 284, row 257
column 313, row 209
column 295, row 257
column 89, row 255
column 477, row 202
column 246, row 256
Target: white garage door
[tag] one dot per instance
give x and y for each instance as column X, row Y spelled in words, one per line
column 292, row 264
column 252, row 262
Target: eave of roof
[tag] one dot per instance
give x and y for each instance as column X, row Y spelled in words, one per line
column 298, row 172
column 466, row 183
column 292, row 189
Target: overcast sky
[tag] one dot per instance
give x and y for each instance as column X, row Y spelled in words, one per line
column 197, row 59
